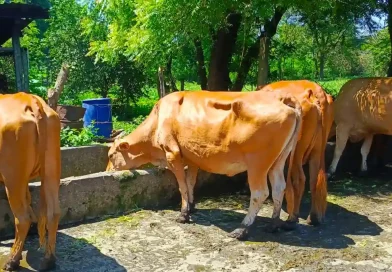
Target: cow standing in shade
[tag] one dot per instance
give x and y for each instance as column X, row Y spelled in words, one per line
column 30, row 148
column 317, row 119
column 218, row 132
column 362, row 109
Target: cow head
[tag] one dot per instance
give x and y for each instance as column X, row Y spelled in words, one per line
column 124, row 156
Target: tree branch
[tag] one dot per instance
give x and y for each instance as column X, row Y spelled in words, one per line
column 54, row 93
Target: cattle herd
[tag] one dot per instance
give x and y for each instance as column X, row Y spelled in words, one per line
column 218, row 132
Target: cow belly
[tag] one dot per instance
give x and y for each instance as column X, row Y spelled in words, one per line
column 234, row 168
column 222, row 167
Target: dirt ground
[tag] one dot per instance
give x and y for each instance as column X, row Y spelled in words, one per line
column 357, row 236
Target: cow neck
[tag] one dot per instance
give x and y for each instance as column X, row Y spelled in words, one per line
column 140, row 138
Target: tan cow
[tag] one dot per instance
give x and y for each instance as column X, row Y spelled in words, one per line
column 30, row 148
column 362, row 109
column 317, row 118
column 218, row 132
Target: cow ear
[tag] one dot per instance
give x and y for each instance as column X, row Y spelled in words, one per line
column 123, row 146
column 309, row 93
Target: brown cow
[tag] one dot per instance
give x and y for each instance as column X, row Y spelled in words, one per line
column 218, row 132
column 317, row 118
column 362, row 109
column 30, row 148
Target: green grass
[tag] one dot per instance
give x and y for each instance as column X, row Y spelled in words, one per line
column 332, row 87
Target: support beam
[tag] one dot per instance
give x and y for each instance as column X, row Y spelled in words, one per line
column 17, row 57
column 25, row 67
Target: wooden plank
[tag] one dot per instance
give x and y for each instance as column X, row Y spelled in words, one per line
column 20, row 10
column 6, row 51
column 17, row 58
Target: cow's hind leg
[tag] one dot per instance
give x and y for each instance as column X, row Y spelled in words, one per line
column 342, row 134
column 17, row 199
column 259, row 192
column 49, row 197
column 297, row 184
column 365, row 149
column 33, row 218
column 191, row 178
column 51, row 213
column 278, row 185
column 318, row 188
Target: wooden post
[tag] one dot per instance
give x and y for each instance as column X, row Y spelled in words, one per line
column 17, row 57
column 25, row 66
column 54, row 93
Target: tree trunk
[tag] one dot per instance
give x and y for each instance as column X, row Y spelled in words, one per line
column 244, row 68
column 172, row 81
column 280, row 68
column 389, row 8
column 270, row 28
column 201, row 68
column 161, row 83
column 262, row 77
column 54, row 93
column 316, row 68
column 222, row 51
column 322, row 65
column 182, row 84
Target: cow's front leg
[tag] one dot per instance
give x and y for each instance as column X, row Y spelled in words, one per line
column 176, row 165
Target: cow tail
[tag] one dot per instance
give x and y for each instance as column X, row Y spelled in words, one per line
column 319, row 125
column 321, row 183
column 42, row 142
column 294, row 140
column 292, row 144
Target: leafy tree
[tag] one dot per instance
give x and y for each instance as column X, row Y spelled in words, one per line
column 376, row 48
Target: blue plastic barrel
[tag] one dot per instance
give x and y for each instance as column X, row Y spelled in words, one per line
column 99, row 111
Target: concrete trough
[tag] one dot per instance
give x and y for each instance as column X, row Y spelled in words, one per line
column 87, row 192
column 85, row 196
column 84, row 160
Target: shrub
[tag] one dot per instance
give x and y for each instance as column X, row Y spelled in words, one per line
column 73, row 137
column 130, row 126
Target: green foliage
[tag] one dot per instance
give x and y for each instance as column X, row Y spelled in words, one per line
column 130, row 126
column 73, row 137
column 332, row 87
column 375, row 53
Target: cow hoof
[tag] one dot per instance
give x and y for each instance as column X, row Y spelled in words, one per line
column 289, row 225
column 330, row 176
column 183, row 218
column 240, row 233
column 48, row 264
column 313, row 220
column 11, row 265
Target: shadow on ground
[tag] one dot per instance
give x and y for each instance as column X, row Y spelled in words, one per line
column 70, row 251
column 332, row 235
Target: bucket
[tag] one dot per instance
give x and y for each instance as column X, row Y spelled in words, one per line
column 99, row 111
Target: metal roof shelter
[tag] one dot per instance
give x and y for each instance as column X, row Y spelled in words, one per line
column 14, row 17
